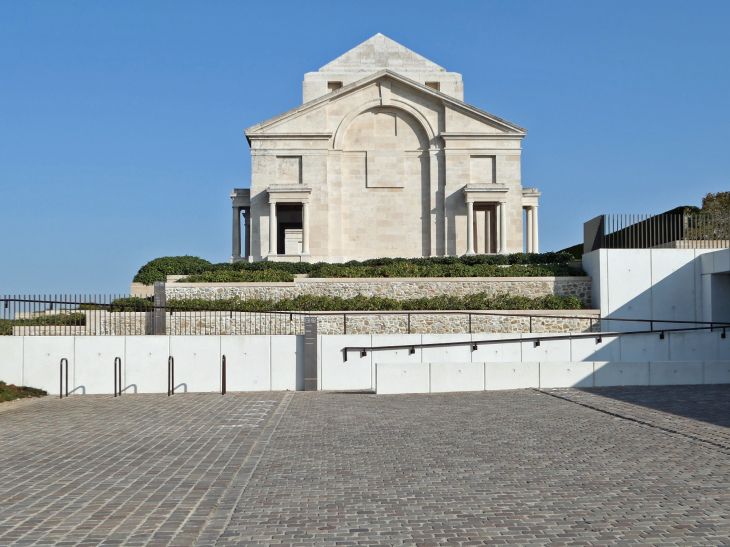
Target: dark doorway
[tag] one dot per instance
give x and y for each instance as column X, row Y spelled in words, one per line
column 289, row 216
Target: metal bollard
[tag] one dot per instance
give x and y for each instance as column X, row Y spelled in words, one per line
column 170, row 376
column 60, row 387
column 118, row 366
column 223, row 376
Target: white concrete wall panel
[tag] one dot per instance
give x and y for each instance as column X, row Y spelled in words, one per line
column 507, row 352
column 392, row 378
column 197, row 363
column 515, row 375
column 669, row 373
column 145, row 364
column 673, row 293
column 353, row 374
column 447, row 354
column 570, row 374
column 589, row 349
column 644, row 347
column 716, row 372
column 287, row 363
column 620, row 374
column 629, row 287
column 547, row 351
column 95, row 363
column 451, row 377
column 11, row 360
column 694, row 346
column 396, row 355
column 248, row 362
column 42, row 355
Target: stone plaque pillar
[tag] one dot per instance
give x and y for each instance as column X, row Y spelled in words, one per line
column 310, row 354
column 159, row 316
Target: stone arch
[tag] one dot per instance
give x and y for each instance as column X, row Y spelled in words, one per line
column 376, row 103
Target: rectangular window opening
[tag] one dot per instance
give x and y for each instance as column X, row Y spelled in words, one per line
column 333, row 86
column 433, row 85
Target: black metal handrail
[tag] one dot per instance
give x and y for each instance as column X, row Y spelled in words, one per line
column 536, row 339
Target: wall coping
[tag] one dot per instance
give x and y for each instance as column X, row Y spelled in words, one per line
column 303, row 280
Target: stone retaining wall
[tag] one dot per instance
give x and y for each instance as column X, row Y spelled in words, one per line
column 101, row 323
column 398, row 288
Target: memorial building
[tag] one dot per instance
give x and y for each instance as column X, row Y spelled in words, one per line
column 383, row 159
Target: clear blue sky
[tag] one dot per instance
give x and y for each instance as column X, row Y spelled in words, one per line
column 121, row 123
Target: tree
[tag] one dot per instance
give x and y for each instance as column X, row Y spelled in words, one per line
column 716, row 204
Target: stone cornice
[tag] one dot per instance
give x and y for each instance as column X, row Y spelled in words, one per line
column 290, row 136
column 478, row 136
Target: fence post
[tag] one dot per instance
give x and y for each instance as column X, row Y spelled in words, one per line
column 159, row 317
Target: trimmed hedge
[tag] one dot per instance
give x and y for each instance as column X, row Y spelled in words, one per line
column 408, row 269
column 10, row 392
column 61, row 319
column 479, row 301
column 160, row 268
column 243, row 276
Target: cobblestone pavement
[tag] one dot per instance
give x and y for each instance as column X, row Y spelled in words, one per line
column 618, row 466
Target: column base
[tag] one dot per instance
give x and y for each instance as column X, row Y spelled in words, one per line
column 469, row 253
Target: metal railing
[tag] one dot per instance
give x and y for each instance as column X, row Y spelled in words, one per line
column 108, row 315
column 711, row 326
column 662, row 231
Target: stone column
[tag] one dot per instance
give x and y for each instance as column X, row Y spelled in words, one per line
column 470, row 227
column 528, row 229
column 488, row 231
column 247, row 234
column 272, row 227
column 535, row 246
column 236, row 252
column 305, row 228
column 503, row 227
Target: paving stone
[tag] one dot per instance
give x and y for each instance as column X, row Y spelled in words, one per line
column 604, row 466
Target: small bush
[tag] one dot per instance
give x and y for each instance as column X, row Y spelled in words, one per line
column 308, row 302
column 56, row 320
column 447, row 266
column 10, row 392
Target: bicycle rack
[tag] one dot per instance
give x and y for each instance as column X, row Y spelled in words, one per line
column 118, row 365
column 170, row 376
column 60, row 387
column 223, row 376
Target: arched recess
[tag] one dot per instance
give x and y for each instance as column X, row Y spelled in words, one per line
column 385, row 184
column 376, row 103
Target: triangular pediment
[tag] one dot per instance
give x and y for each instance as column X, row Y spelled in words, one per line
column 379, row 53
column 287, row 121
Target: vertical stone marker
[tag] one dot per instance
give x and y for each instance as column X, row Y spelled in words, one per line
column 159, row 313
column 310, row 354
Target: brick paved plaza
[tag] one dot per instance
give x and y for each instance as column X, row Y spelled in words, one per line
column 615, row 466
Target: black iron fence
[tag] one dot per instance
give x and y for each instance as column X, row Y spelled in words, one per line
column 662, row 231
column 109, row 315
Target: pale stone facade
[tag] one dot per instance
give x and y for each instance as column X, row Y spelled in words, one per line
column 383, row 159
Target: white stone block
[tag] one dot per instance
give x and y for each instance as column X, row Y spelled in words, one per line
column 95, row 357
column 450, row 377
column 668, row 373
column 11, row 360
column 548, row 350
column 42, row 356
column 145, row 364
column 392, row 378
column 396, row 355
column 461, row 353
column 515, row 375
column 287, row 363
column 673, row 286
column 614, row 373
column 353, row 374
column 248, row 362
column 569, row 374
column 717, row 372
column 197, row 363
column 629, row 288
column 589, row 349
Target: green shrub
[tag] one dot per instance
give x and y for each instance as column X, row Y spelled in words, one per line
column 243, row 276
column 447, row 266
column 57, row 320
column 10, row 392
column 308, row 302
